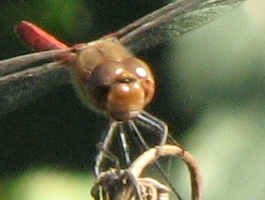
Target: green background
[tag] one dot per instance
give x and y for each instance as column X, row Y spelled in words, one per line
column 210, row 92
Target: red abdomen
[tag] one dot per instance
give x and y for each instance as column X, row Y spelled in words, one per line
column 37, row 38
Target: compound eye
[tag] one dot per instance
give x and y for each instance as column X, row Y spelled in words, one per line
column 105, row 74
column 101, row 95
column 139, row 68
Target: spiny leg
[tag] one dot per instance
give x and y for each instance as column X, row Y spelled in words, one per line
column 104, row 145
column 162, row 126
column 160, row 169
column 150, row 120
column 157, row 123
column 124, row 145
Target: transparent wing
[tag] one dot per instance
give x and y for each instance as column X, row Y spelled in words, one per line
column 20, row 63
column 172, row 20
column 22, row 87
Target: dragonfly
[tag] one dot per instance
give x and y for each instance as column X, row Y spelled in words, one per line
column 105, row 74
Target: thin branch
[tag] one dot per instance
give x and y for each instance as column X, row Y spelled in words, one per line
column 117, row 184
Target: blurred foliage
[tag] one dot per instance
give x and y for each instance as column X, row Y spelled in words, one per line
column 47, row 183
column 210, row 91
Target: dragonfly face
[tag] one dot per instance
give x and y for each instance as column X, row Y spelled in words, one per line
column 109, row 78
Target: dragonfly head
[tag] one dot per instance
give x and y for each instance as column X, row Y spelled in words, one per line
column 124, row 88
column 112, row 80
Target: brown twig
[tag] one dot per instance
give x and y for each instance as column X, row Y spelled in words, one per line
column 127, row 184
column 154, row 154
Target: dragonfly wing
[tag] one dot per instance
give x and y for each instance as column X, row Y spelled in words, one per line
column 20, row 63
column 172, row 20
column 20, row 88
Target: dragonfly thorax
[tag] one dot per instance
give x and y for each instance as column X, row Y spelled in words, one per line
column 112, row 80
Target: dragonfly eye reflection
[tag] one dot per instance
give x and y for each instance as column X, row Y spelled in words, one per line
column 126, row 80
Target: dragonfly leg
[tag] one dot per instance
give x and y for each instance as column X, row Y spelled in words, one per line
column 124, row 145
column 104, row 145
column 163, row 128
column 154, row 122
